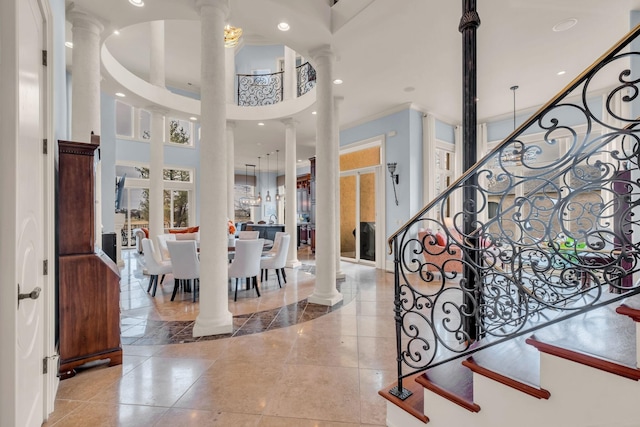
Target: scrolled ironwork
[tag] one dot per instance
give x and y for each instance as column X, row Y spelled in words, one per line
column 260, row 89
column 306, row 75
column 564, row 239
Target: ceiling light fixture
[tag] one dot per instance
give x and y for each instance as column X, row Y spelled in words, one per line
column 314, row 112
column 137, row 3
column 120, row 94
column 193, row 118
column 231, row 35
column 561, row 72
column 268, row 198
column 277, row 164
column 283, row 26
column 69, row 45
column 260, row 124
column 116, row 32
column 337, row 82
column 565, row 25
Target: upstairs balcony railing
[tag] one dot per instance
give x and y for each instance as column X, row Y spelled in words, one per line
column 265, row 89
column 563, row 237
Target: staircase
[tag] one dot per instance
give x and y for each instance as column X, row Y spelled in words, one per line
column 530, row 317
column 582, row 372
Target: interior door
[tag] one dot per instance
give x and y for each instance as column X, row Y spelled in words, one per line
column 30, row 222
column 358, row 215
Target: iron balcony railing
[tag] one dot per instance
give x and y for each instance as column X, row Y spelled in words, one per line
column 306, row 77
column 260, row 89
column 563, row 239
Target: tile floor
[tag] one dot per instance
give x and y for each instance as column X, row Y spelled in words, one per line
column 287, row 363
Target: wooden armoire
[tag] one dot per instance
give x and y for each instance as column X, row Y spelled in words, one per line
column 88, row 309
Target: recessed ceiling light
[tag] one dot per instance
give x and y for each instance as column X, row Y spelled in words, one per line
column 561, row 72
column 283, row 26
column 299, row 160
column 314, row 112
column 69, row 45
column 260, row 124
column 337, row 82
column 193, row 118
column 137, row 3
column 565, row 24
column 120, row 94
column 116, row 32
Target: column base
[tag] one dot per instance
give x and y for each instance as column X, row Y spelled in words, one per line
column 203, row 328
column 293, row 263
column 340, row 275
column 328, row 300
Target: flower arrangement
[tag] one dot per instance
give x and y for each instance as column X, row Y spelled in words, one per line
column 231, row 226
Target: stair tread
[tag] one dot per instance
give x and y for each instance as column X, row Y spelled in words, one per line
column 514, row 359
column 590, row 334
column 452, row 381
column 414, row 404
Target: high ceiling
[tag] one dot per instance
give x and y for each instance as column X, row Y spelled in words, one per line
column 389, row 53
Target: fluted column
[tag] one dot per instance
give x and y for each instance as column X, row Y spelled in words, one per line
column 337, row 100
column 290, row 77
column 85, row 94
column 214, row 317
column 325, row 291
column 231, row 171
column 156, row 172
column 290, row 183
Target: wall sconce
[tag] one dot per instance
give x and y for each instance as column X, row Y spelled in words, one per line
column 394, row 178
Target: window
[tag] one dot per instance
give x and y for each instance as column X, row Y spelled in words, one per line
column 145, row 125
column 180, row 132
column 124, row 120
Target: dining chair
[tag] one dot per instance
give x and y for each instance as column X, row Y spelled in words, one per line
column 276, row 244
column 186, row 266
column 162, row 245
column 154, row 265
column 276, row 262
column 248, row 235
column 246, row 263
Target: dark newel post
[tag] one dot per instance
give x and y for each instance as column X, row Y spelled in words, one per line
column 469, row 23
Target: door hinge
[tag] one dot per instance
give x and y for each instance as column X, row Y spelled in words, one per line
column 45, row 146
column 45, row 267
column 44, row 58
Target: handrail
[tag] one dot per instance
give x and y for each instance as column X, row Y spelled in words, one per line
column 260, row 89
column 561, row 243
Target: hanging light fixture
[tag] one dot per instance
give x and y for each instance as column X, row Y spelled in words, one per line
column 268, row 198
column 259, row 200
column 231, row 35
column 247, row 200
column 277, row 165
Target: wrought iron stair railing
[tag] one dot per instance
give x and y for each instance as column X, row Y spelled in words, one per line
column 564, row 237
column 256, row 90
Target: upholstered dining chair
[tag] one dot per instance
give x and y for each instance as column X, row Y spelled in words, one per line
column 248, row 235
column 155, row 266
column 162, row 245
column 246, row 263
column 276, row 262
column 186, row 265
column 276, row 244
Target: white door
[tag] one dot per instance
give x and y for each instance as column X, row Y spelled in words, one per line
column 29, row 217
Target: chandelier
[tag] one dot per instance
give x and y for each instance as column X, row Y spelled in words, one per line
column 249, row 200
column 231, row 35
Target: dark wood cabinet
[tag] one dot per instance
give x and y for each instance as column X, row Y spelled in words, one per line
column 88, row 287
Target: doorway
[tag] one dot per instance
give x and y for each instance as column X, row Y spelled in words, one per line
column 358, row 214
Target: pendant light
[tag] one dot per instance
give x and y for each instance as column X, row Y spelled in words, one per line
column 277, row 165
column 259, row 200
column 268, row 198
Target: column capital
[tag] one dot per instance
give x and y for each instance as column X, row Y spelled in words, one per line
column 322, row 52
column 222, row 5
column 85, row 21
column 290, row 122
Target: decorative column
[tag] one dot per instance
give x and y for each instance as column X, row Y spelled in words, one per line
column 337, row 100
column 325, row 292
column 231, row 171
column 290, row 76
column 85, row 94
column 214, row 317
column 290, row 199
column 156, row 143
column 156, row 171
column 230, row 75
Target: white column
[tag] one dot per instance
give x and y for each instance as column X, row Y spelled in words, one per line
column 290, row 196
column 156, row 54
column 230, row 75
column 290, row 77
column 156, row 172
column 231, row 171
column 214, row 317
column 85, row 94
column 337, row 100
column 325, row 292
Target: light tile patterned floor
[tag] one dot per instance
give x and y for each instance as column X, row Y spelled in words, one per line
column 320, row 367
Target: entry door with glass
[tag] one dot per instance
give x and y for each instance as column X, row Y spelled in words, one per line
column 358, row 215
